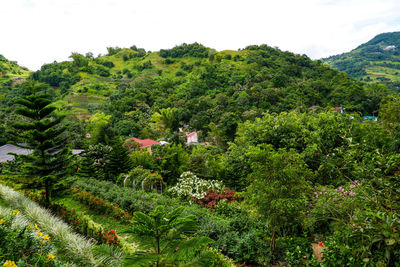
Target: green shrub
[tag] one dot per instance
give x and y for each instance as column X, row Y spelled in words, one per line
column 24, row 243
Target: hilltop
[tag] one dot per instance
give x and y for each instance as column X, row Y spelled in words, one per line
column 378, row 60
column 11, row 70
column 256, row 78
column 209, row 91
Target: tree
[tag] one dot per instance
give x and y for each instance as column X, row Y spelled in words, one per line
column 79, row 60
column 42, row 131
column 166, row 238
column 279, row 188
column 99, row 128
column 166, row 120
column 120, row 161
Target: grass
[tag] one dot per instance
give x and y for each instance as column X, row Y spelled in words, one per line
column 379, row 71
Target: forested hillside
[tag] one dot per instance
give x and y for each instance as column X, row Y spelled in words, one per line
column 193, row 157
column 209, row 91
column 378, row 60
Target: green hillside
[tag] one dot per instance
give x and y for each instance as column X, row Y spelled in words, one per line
column 209, row 91
column 251, row 80
column 377, row 60
column 10, row 70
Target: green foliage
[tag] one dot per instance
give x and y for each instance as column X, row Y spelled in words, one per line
column 278, row 189
column 41, row 129
column 119, row 160
column 142, row 179
column 54, row 74
column 22, row 244
column 79, row 60
column 376, row 60
column 192, row 50
column 173, row 160
column 167, row 120
column 99, row 129
column 390, row 110
column 166, row 238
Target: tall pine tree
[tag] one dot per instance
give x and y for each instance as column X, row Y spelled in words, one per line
column 120, row 162
column 41, row 130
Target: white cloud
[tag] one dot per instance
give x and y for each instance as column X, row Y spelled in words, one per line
column 40, row 31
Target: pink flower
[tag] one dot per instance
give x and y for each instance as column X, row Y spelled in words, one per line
column 352, row 186
column 334, row 199
column 352, row 194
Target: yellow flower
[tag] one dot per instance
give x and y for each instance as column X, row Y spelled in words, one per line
column 39, row 234
column 9, row 264
column 50, row 257
column 16, row 212
column 1, row 221
column 36, row 227
column 46, row 237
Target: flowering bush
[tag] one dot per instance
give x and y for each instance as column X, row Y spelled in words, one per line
column 213, row 198
column 358, row 225
column 104, row 207
column 80, row 223
column 333, row 205
column 84, row 225
column 190, row 186
column 24, row 244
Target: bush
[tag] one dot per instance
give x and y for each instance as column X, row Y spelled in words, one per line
column 213, row 198
column 142, row 179
column 24, row 243
column 189, row 186
column 75, row 247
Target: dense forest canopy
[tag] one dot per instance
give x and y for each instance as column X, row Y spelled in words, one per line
column 211, row 91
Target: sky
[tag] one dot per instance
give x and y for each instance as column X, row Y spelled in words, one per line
column 35, row 32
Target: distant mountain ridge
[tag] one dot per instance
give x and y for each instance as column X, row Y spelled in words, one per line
column 378, row 60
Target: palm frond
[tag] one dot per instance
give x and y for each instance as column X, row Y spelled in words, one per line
column 107, row 255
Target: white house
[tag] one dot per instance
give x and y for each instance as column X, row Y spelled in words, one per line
column 192, row 139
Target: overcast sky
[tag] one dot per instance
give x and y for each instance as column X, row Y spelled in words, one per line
column 35, row 32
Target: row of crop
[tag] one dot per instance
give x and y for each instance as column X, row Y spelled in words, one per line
column 102, row 206
column 126, row 198
column 71, row 247
column 237, row 235
column 82, row 224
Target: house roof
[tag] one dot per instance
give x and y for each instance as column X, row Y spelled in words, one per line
column 9, row 148
column 145, row 142
column 191, row 134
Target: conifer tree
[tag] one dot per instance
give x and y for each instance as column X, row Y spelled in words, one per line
column 86, row 165
column 41, row 130
column 119, row 160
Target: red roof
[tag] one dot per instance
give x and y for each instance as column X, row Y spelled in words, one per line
column 145, row 142
column 191, row 134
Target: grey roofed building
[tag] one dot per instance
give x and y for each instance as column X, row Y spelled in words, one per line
column 9, row 148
